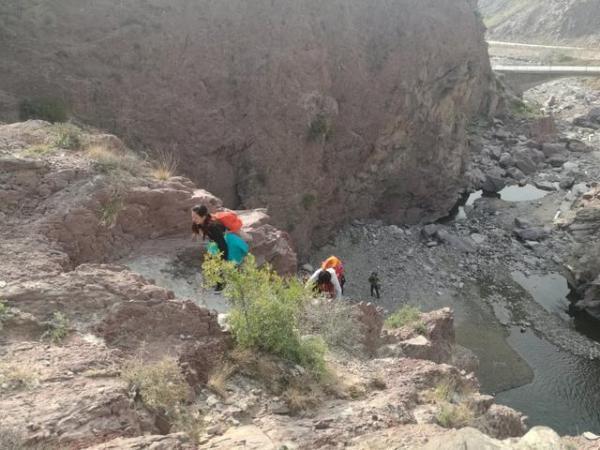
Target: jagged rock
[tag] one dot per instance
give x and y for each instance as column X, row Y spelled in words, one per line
column 567, row 183
column 545, row 186
column 506, row 160
column 463, row 244
column 501, row 422
column 177, row 441
column 579, row 147
column 494, row 181
column 539, row 438
column 74, row 389
column 551, row 149
column 532, row 234
column 524, row 162
column 557, row 160
column 464, row 359
column 430, row 230
column 479, row 404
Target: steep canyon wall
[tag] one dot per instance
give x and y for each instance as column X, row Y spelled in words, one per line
column 321, row 111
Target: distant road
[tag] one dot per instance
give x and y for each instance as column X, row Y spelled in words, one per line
column 552, row 47
column 558, row 70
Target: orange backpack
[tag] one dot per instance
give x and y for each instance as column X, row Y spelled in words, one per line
column 333, row 262
column 230, row 220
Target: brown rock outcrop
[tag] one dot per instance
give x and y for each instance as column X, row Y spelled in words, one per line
column 322, row 111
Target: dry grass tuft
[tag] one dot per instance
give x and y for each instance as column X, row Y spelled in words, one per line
column 217, row 381
column 165, row 166
column 108, row 161
column 160, row 385
column 454, row 416
column 17, row 377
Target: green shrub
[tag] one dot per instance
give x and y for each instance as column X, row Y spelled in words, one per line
column 406, row 315
column 57, row 328
column 43, row 108
column 68, row 136
column 320, row 128
column 454, row 416
column 160, row 385
column 265, row 311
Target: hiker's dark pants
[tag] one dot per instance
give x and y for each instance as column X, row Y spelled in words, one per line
column 374, row 289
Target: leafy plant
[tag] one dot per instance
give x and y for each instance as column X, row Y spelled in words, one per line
column 406, row 315
column 265, row 311
column 160, row 385
column 57, row 328
column 43, row 108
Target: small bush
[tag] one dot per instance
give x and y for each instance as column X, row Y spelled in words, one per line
column 191, row 423
column 43, row 108
column 57, row 328
column 444, row 390
column 165, row 166
column 160, row 385
column 454, row 416
column 335, row 322
column 420, row 327
column 265, row 311
column 308, row 200
column 320, row 128
column 107, row 161
column 406, row 315
column 67, row 136
column 109, row 211
column 17, row 377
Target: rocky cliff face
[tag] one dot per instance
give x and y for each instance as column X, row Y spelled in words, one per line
column 543, row 21
column 322, row 111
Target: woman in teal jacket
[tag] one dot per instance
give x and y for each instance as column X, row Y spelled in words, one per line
column 236, row 246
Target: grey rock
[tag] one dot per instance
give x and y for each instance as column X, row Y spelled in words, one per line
column 552, row 149
column 506, row 160
column 557, row 160
column 532, row 234
column 522, row 223
column 567, row 183
column 465, row 245
column 525, row 163
column 429, row 231
column 579, row 147
column 494, row 181
column 545, row 186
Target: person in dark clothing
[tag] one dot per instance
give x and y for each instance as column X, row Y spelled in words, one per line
column 213, row 229
column 374, row 281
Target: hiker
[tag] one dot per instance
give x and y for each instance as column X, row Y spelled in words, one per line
column 326, row 282
column 374, row 281
column 203, row 221
column 335, row 263
column 222, row 226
